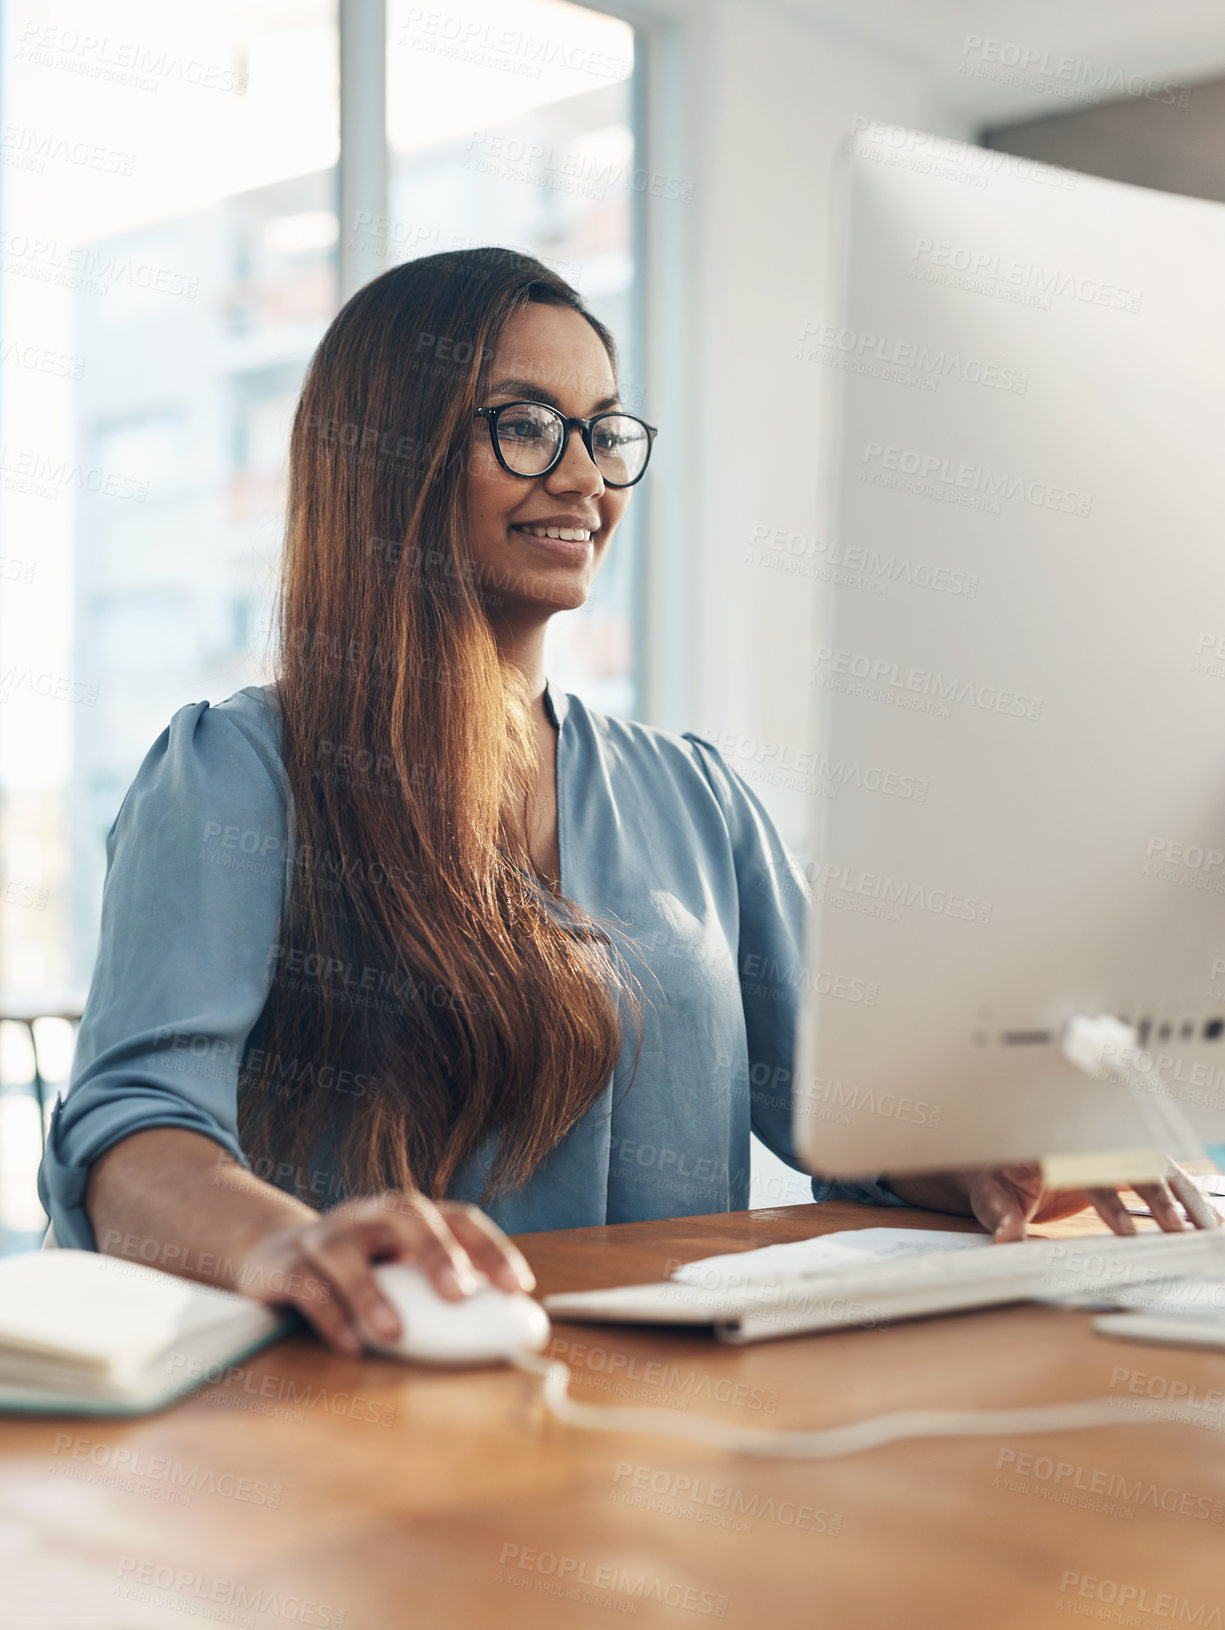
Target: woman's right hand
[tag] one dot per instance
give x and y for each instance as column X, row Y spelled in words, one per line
column 323, row 1267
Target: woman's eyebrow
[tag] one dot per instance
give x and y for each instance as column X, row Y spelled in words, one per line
column 524, row 389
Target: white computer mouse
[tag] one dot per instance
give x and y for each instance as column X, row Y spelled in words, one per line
column 483, row 1328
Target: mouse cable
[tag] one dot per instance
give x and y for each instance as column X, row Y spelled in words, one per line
column 830, row 1442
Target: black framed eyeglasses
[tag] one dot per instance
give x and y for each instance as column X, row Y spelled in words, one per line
column 530, row 439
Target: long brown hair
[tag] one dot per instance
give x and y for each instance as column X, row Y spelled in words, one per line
column 427, row 991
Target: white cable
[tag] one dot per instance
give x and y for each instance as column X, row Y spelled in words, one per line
column 1097, row 1045
column 832, row 1441
column 1092, row 1045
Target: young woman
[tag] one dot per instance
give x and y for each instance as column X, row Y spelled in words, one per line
column 409, row 949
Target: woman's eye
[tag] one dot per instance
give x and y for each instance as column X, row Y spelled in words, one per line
column 521, row 429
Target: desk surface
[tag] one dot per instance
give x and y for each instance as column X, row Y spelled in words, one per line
column 307, row 1489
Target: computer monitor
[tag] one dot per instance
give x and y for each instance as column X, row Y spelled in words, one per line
column 1018, row 773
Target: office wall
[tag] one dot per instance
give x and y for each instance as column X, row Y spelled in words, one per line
column 751, row 101
column 751, row 104
column 768, row 98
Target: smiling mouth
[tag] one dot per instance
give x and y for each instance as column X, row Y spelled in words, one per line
column 557, row 534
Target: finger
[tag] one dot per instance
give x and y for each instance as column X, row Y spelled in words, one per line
column 1160, row 1203
column 998, row 1208
column 406, row 1225
column 349, row 1258
column 442, row 1257
column 1111, row 1210
column 1010, row 1227
column 284, row 1277
column 488, row 1247
column 346, row 1248
column 1195, row 1203
column 328, row 1319
column 341, row 1251
column 362, row 1310
column 310, row 1292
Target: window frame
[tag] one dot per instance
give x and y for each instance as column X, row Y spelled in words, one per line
column 655, row 347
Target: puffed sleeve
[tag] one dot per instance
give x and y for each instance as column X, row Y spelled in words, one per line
column 191, row 911
column 773, row 901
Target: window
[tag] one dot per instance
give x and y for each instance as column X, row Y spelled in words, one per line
column 171, row 197
column 169, row 200
column 511, row 123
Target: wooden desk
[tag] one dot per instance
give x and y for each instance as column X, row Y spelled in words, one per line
column 313, row 1490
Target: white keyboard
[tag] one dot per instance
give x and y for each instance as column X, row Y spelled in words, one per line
column 1097, row 1266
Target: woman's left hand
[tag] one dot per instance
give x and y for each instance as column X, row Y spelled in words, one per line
column 1006, row 1199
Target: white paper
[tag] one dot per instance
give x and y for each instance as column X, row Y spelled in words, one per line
column 824, row 1253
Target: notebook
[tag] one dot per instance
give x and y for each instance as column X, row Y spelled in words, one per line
column 86, row 1334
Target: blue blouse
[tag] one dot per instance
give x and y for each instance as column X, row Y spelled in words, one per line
column 656, row 833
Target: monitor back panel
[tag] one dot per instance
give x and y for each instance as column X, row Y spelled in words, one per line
column 1020, row 671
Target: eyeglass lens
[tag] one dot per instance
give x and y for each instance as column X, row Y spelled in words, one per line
column 530, row 434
